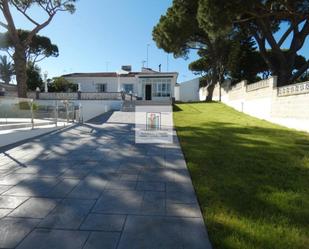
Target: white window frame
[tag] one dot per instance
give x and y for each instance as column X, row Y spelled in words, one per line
column 101, row 87
column 161, row 89
column 128, row 84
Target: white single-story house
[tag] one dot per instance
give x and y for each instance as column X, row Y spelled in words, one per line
column 147, row 84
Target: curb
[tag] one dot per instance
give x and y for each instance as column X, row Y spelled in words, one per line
column 16, row 144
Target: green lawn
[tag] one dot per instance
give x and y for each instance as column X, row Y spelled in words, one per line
column 251, row 177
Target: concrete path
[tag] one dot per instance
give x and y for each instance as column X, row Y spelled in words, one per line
column 92, row 187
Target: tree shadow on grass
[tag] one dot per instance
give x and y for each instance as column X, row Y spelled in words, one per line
column 254, row 176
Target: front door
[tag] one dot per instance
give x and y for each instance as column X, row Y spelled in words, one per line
column 148, row 92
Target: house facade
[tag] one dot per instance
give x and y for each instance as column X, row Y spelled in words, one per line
column 146, row 85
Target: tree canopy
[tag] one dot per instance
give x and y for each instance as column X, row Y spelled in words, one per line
column 262, row 20
column 34, row 78
column 6, row 69
column 228, row 33
column 48, row 8
column 61, row 84
column 40, row 47
column 179, row 31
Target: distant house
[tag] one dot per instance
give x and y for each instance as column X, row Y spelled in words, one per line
column 147, row 84
column 8, row 89
column 190, row 91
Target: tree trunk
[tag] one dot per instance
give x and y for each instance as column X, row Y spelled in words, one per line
column 284, row 74
column 21, row 71
column 210, row 90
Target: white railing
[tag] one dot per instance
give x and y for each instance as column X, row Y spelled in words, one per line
column 238, row 86
column 80, row 95
column 258, row 85
column 101, row 96
column 300, row 88
column 58, row 96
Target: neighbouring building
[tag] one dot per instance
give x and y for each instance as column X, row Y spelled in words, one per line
column 146, row 85
column 8, row 89
column 190, row 91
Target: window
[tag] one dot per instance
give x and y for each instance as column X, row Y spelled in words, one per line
column 162, row 89
column 101, row 88
column 128, row 88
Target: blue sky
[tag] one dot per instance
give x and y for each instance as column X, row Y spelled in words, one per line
column 105, row 34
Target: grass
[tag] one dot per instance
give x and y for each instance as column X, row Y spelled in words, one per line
column 251, row 177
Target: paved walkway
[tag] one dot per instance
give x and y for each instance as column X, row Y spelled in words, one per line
column 92, row 187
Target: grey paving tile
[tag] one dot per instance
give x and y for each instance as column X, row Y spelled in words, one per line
column 101, row 222
column 128, row 177
column 67, row 215
column 175, row 163
column 63, row 188
column 50, row 172
column 153, row 232
column 183, row 210
column 89, row 188
column 13, row 179
column 150, row 186
column 54, row 239
column 129, row 169
column 11, row 201
column 180, row 187
column 28, row 170
column 4, row 212
column 36, row 187
column 164, row 175
column 100, row 240
column 120, row 185
column 4, row 188
column 75, row 173
column 181, row 197
column 119, row 202
column 103, row 163
column 153, row 203
column 13, row 230
column 35, row 208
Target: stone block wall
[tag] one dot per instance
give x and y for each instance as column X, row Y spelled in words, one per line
column 288, row 105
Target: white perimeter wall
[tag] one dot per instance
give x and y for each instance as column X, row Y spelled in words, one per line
column 188, row 91
column 93, row 108
column 287, row 106
column 90, row 108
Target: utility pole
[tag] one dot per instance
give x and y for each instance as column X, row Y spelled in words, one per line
column 148, row 45
column 143, row 63
column 167, row 62
column 107, row 64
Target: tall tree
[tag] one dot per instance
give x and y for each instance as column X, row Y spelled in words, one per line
column 60, row 84
column 262, row 19
column 50, row 8
column 6, row 69
column 178, row 32
column 40, row 47
column 34, row 78
column 213, row 63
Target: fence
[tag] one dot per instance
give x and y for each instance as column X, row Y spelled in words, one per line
column 287, row 105
column 17, row 113
column 85, row 96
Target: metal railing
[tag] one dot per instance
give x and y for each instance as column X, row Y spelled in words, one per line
column 79, row 96
column 20, row 113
